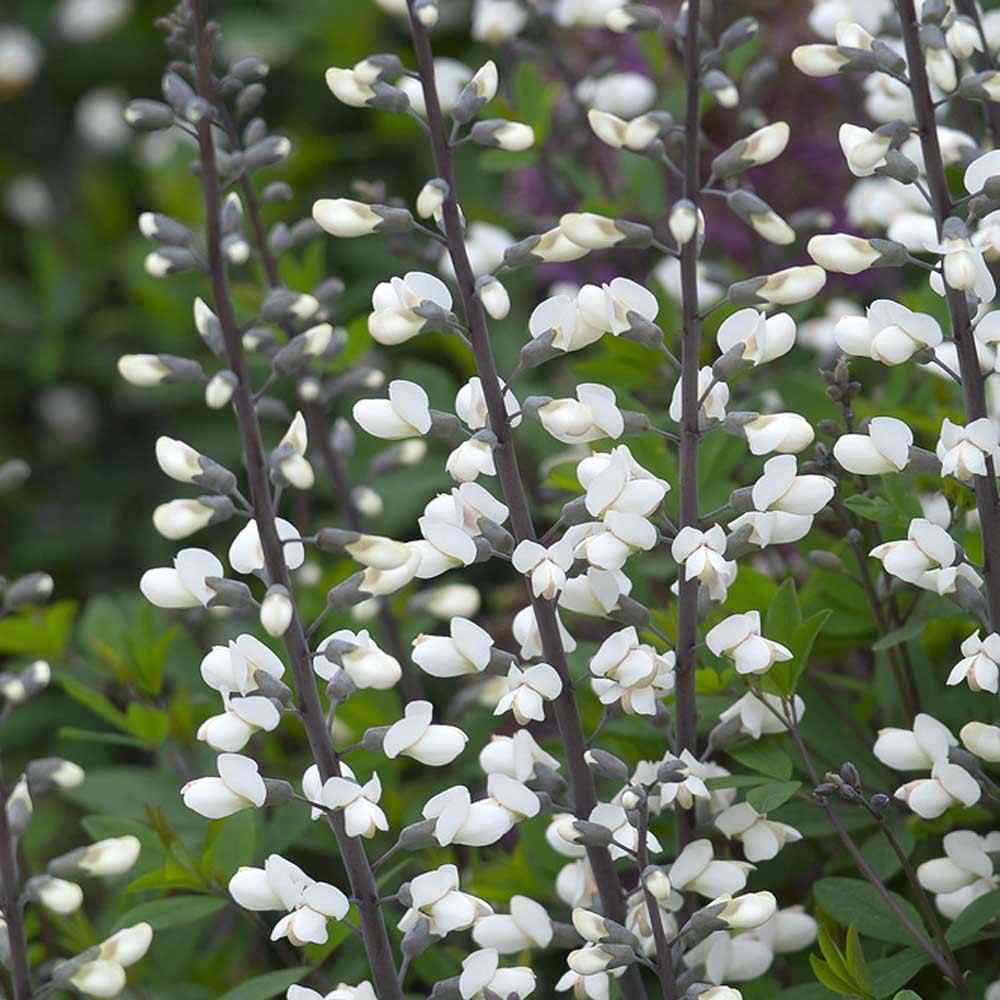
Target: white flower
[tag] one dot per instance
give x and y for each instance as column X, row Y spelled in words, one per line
column 497, row 21
column 927, row 559
column 713, row 403
column 239, row 786
column 545, row 566
column 618, row 133
column 470, row 405
column 980, row 665
column 482, row 976
column 450, row 75
column 965, row 269
column 781, row 488
column 916, row 749
column 615, row 481
column 756, row 717
column 393, row 319
column 233, row 668
column 468, row 650
column 515, row 756
column 445, row 545
column 702, row 554
column 982, row 740
column 363, row 817
column 684, row 793
column 527, row 926
column 99, row 979
column 788, row 930
column 232, row 730
column 485, row 244
column 183, row 585
column 739, row 638
column 345, row 218
column 112, row 856
column 178, row 460
column 459, row 820
column 437, row 901
column 884, row 447
column 562, row 315
column 697, row 870
column 363, row 991
column 750, row 911
column 527, row 692
column 863, row 149
column 623, row 833
column 416, row 736
column 967, row 861
column 623, row 94
column 56, row 894
column 842, row 253
column 607, row 544
column 294, row 466
column 761, row 837
column 280, row 885
column 180, row 518
column 964, row 450
column 608, row 307
column 786, row 433
column 948, row 785
column 406, row 413
column 890, row 333
column 592, row 415
column 764, row 338
column 528, row 636
column 733, row 959
column 367, row 664
column 631, row 672
column 593, row 987
column 246, row 554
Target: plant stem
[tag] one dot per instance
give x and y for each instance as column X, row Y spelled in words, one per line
column 664, row 953
column 10, row 902
column 686, row 711
column 973, row 384
column 355, row 860
column 926, row 907
column 564, row 707
column 411, row 684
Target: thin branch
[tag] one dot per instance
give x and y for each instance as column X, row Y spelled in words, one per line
column 355, row 860
column 564, row 708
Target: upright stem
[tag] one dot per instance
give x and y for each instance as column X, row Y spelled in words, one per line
column 359, row 871
column 10, row 888
column 564, row 707
column 315, row 420
column 973, row 384
column 686, row 712
column 664, row 953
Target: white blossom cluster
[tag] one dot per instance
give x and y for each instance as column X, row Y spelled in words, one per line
column 689, row 921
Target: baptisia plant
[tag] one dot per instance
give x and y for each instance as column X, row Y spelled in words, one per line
column 581, row 496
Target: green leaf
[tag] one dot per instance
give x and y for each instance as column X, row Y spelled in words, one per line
column 906, row 995
column 825, row 974
column 147, row 722
column 172, row 911
column 900, row 635
column 889, row 974
column 767, row 798
column 764, row 755
column 973, row 918
column 38, row 631
column 878, row 510
column 95, row 701
column 851, row 901
column 856, row 961
column 500, row 161
column 268, row 985
column 835, row 960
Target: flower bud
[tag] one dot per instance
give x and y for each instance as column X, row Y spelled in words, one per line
column 763, row 146
column 148, row 116
column 495, row 299
column 657, row 883
column 597, row 232
column 33, row 588
column 514, row 137
column 633, row 18
column 683, row 221
column 13, row 473
column 276, row 610
column 55, row 894
column 47, row 773
column 345, row 218
column 432, row 196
